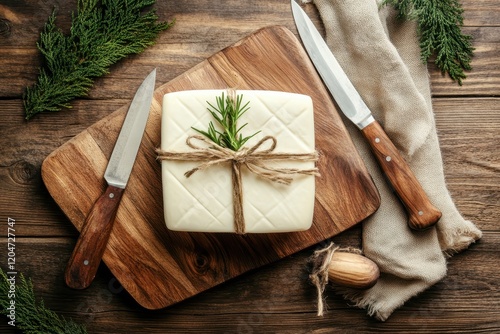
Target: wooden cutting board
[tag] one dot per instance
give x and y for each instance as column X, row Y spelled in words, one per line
column 159, row 267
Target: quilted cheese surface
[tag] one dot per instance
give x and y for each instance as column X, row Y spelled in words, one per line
column 203, row 202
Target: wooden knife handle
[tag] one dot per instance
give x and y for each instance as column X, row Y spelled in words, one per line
column 93, row 239
column 422, row 214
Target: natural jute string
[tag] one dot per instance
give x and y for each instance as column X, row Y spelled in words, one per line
column 320, row 261
column 254, row 158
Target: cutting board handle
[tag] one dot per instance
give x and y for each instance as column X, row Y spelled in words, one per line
column 93, row 239
column 422, row 214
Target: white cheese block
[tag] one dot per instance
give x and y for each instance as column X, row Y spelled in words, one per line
column 203, row 202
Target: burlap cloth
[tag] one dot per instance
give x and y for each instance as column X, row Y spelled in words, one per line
column 381, row 56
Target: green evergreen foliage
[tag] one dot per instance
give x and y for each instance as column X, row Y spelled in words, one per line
column 102, row 32
column 440, row 25
column 32, row 317
column 226, row 113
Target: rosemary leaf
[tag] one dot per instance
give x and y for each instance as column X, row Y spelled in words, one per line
column 226, row 114
column 102, row 33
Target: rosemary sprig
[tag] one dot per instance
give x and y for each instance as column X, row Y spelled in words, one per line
column 226, row 113
column 102, row 33
column 439, row 27
column 31, row 317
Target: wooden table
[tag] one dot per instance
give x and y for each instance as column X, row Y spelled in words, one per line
column 276, row 298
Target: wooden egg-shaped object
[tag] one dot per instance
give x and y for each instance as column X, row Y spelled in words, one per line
column 353, row 270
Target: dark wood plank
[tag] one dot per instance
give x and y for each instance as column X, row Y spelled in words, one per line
column 275, row 298
column 484, row 78
column 468, row 133
column 26, row 146
column 481, row 13
column 202, row 29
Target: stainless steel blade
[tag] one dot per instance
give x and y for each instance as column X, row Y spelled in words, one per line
column 127, row 145
column 341, row 88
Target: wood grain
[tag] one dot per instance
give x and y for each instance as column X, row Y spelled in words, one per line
column 270, row 59
column 273, row 299
column 93, row 239
column 276, row 298
column 422, row 214
column 352, row 270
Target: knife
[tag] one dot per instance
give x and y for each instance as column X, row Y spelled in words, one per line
column 97, row 227
column 421, row 213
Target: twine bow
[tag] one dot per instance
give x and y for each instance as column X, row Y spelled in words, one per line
column 254, row 158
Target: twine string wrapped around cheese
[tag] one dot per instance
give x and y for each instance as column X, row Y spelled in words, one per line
column 254, row 158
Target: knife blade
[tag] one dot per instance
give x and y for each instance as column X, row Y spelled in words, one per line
column 421, row 213
column 97, row 227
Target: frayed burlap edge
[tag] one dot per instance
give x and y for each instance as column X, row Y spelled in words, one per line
column 456, row 240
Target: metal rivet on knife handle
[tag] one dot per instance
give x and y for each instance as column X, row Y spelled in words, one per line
column 422, row 214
